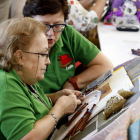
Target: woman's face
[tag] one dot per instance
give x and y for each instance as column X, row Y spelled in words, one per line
column 34, row 65
column 51, row 20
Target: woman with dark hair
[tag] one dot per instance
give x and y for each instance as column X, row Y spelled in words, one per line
column 66, row 46
column 83, row 16
column 26, row 113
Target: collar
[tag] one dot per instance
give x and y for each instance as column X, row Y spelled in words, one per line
column 57, row 46
column 14, row 73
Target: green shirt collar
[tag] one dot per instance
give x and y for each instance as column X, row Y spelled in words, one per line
column 13, row 72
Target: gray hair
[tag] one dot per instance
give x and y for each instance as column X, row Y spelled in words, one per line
column 17, row 34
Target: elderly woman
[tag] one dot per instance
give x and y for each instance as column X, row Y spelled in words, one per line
column 25, row 111
column 66, row 46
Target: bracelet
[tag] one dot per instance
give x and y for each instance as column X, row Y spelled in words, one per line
column 56, row 121
column 92, row 1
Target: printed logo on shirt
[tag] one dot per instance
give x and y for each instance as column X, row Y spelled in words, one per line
column 65, row 61
column 69, row 67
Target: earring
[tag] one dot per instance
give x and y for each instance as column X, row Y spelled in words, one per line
column 19, row 68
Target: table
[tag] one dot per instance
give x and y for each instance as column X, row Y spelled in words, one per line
column 98, row 129
column 117, row 45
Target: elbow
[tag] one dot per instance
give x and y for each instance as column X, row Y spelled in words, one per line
column 109, row 66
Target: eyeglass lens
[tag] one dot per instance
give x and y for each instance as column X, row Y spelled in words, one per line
column 56, row 28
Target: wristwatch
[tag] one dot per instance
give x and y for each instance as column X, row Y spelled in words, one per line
column 73, row 81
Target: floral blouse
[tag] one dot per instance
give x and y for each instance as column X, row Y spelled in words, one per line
column 80, row 18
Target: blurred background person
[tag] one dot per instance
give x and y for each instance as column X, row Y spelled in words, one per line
column 84, row 16
column 11, row 9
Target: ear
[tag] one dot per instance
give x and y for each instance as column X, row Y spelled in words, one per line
column 19, row 57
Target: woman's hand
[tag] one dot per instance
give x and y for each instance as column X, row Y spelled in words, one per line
column 67, row 104
column 55, row 96
column 71, row 92
column 68, row 92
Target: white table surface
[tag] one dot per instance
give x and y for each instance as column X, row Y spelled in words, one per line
column 117, row 45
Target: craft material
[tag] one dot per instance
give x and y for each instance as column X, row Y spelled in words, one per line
column 81, row 95
column 73, row 130
column 125, row 94
column 86, row 118
column 113, row 105
column 118, row 80
column 105, row 90
column 87, row 91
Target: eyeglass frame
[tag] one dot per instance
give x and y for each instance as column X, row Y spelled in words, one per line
column 42, row 54
column 51, row 26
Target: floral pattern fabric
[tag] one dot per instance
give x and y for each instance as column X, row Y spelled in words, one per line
column 80, row 18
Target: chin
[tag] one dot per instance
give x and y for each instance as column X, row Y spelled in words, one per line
column 50, row 46
column 40, row 78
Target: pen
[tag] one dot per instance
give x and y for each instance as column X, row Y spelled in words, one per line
column 76, row 114
column 87, row 91
column 109, row 75
column 86, row 118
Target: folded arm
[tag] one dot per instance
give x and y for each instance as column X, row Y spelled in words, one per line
column 98, row 66
column 98, row 7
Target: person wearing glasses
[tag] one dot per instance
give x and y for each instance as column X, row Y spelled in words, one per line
column 25, row 111
column 66, row 46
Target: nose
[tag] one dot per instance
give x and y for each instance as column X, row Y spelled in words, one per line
column 50, row 32
column 47, row 61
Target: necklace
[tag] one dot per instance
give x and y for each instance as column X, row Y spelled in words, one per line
column 41, row 100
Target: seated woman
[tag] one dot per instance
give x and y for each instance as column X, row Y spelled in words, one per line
column 25, row 111
column 83, row 15
column 66, row 46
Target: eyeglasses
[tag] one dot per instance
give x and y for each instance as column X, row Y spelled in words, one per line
column 56, row 27
column 40, row 54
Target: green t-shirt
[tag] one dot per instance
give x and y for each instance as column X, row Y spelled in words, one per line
column 71, row 47
column 19, row 109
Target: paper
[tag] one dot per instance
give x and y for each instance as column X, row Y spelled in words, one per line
column 119, row 80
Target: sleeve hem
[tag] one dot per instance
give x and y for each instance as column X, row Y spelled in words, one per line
column 91, row 56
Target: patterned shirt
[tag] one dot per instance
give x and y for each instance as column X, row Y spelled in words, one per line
column 81, row 19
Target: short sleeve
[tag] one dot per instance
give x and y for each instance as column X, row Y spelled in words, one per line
column 80, row 18
column 84, row 51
